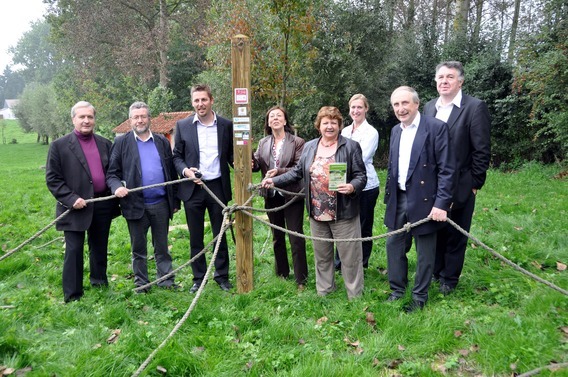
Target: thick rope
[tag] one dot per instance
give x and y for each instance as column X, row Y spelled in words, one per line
column 93, row 200
column 507, row 261
column 551, row 367
column 180, row 323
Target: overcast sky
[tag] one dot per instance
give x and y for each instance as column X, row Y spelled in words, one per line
column 16, row 18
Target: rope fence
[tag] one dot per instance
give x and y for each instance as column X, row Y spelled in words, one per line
column 247, row 209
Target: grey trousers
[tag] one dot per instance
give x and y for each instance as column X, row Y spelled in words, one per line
column 156, row 217
column 397, row 262
column 349, row 252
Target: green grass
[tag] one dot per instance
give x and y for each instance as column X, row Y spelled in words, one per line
column 497, row 323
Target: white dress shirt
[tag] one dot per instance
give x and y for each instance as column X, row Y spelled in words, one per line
column 368, row 137
column 405, row 149
column 443, row 111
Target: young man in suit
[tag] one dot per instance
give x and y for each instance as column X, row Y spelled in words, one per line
column 75, row 171
column 140, row 158
column 469, row 124
column 419, row 184
column 204, row 144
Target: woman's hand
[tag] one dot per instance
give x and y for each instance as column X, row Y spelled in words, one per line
column 267, row 183
column 271, row 173
column 345, row 188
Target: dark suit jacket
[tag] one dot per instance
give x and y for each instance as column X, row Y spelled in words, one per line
column 68, row 178
column 186, row 153
column 430, row 178
column 125, row 166
column 469, row 127
column 289, row 157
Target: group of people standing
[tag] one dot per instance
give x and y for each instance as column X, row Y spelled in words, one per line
column 437, row 162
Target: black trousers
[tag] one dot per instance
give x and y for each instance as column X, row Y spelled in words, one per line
column 291, row 218
column 195, row 208
column 97, row 239
column 397, row 261
column 451, row 245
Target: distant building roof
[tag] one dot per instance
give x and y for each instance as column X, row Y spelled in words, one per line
column 162, row 124
column 11, row 103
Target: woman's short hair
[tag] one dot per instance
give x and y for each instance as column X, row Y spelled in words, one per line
column 329, row 112
column 287, row 126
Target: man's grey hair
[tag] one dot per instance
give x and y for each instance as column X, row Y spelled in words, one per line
column 138, row 105
column 82, row 104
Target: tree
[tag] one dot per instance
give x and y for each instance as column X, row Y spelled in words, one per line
column 36, row 54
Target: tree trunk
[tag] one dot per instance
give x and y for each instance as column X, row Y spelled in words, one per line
column 163, row 38
column 460, row 22
column 478, row 15
column 513, row 35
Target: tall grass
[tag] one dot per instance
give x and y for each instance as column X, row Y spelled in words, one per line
column 497, row 323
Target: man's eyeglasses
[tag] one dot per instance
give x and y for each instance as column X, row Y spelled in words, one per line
column 137, row 117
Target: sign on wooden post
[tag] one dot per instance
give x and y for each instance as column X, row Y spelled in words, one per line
column 240, row 59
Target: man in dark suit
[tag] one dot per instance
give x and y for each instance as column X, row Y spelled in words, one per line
column 469, row 123
column 75, row 171
column 140, row 158
column 419, row 184
column 204, row 144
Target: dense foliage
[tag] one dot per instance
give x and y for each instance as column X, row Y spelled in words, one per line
column 305, row 54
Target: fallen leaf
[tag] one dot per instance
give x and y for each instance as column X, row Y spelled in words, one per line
column 370, row 318
column 161, row 369
column 321, row 320
column 249, row 365
column 96, row 346
column 537, row 265
column 519, row 228
column 114, row 336
column 301, row 341
column 8, row 371
column 23, row 371
column 513, row 366
column 560, row 266
column 474, row 348
column 393, row 364
column 457, row 333
column 358, row 350
column 463, row 352
column 401, row 347
column 473, row 246
column 113, row 277
column 4, row 247
column 20, row 285
column 375, row 362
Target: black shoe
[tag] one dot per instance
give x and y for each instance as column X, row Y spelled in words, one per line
column 194, row 288
column 141, row 291
column 171, row 287
column 392, row 297
column 445, row 289
column 225, row 285
column 414, row 306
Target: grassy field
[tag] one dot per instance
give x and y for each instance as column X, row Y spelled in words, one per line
column 499, row 322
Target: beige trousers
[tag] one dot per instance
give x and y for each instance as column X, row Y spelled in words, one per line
column 349, row 252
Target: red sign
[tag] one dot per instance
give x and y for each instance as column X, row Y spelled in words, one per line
column 241, row 96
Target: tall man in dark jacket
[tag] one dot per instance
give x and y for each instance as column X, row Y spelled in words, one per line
column 204, row 143
column 141, row 158
column 469, row 124
column 419, row 184
column 75, row 171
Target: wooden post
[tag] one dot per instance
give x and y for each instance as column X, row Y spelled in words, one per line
column 240, row 59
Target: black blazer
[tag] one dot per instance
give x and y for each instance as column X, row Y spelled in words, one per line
column 125, row 166
column 68, row 177
column 186, row 153
column 470, row 136
column 430, row 178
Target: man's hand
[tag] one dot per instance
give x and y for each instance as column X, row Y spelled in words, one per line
column 121, row 192
column 438, row 214
column 79, row 203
